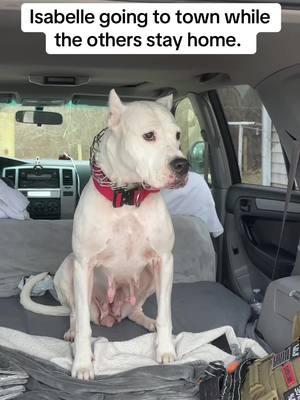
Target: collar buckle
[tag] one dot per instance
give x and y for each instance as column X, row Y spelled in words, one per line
column 123, row 196
column 138, row 198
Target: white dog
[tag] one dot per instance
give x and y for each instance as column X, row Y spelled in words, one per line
column 127, row 232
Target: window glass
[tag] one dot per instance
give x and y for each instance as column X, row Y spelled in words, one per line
column 192, row 142
column 74, row 136
column 256, row 142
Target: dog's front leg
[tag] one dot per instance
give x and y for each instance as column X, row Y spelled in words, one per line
column 165, row 352
column 82, row 365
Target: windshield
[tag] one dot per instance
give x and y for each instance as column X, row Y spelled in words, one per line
column 74, row 136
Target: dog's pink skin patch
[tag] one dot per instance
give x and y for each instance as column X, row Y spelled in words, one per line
column 116, row 308
column 132, row 300
column 108, row 321
column 125, row 275
column 110, row 294
column 127, row 293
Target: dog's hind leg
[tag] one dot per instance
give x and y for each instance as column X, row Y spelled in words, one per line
column 70, row 334
column 137, row 315
column 65, row 292
column 145, row 286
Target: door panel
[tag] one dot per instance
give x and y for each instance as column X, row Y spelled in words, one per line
column 255, row 213
column 254, row 208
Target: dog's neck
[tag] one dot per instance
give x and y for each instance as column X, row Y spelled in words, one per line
column 120, row 186
column 119, row 174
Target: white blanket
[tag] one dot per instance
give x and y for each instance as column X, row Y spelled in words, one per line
column 115, row 357
column 194, row 199
column 12, row 203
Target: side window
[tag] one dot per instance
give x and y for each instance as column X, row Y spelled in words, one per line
column 192, row 142
column 256, row 142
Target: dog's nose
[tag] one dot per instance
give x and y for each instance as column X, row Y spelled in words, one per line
column 180, row 166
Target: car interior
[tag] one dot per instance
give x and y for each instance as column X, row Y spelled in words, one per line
column 239, row 117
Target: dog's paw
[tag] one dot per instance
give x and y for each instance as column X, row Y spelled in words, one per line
column 166, row 358
column 166, row 355
column 83, row 369
column 69, row 336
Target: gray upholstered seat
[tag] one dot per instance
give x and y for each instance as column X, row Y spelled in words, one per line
column 198, row 303
column 33, row 246
column 196, row 307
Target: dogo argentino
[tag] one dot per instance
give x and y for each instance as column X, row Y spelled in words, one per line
column 122, row 227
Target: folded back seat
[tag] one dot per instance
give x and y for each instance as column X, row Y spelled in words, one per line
column 199, row 303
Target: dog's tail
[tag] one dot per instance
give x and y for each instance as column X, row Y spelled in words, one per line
column 30, row 305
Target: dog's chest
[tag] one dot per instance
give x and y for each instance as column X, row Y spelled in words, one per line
column 128, row 249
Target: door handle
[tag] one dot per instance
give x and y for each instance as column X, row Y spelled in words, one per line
column 245, row 205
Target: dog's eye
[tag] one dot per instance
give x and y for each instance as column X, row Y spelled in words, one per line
column 177, row 135
column 149, row 136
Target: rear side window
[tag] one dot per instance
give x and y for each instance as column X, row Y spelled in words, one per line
column 192, row 143
column 256, row 142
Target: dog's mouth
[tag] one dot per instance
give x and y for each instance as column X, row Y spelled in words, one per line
column 174, row 181
column 179, row 182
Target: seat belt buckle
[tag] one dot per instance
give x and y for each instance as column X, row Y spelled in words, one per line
column 295, row 294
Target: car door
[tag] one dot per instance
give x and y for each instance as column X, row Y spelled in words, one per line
column 255, row 201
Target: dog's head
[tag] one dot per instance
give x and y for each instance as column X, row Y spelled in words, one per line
column 143, row 144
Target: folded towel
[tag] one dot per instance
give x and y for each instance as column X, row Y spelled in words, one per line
column 13, row 203
column 115, row 357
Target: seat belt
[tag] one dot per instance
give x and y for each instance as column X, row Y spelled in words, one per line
column 206, row 161
column 206, row 154
column 296, row 327
column 291, row 178
column 296, row 269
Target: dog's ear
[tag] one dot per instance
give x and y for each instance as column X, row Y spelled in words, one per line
column 166, row 101
column 116, row 108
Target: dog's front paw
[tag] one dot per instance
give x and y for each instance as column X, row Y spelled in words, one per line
column 83, row 369
column 166, row 354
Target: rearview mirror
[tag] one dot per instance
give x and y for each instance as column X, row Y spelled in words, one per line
column 39, row 117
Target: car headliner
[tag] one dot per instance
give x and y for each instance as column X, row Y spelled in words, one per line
column 136, row 76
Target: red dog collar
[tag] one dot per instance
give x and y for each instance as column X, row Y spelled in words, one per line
column 119, row 196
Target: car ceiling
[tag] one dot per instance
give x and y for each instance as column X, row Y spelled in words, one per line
column 136, row 76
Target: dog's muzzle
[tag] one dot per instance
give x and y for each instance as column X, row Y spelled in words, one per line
column 180, row 166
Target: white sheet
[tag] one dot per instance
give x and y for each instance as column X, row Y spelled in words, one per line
column 115, row 357
column 194, row 199
column 12, row 203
